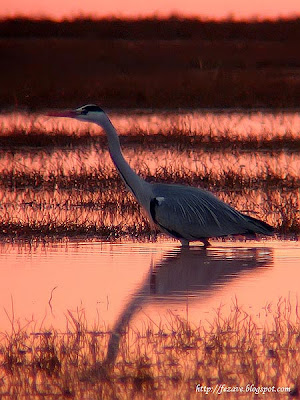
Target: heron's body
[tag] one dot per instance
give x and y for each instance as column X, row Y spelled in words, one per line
column 191, row 214
column 183, row 212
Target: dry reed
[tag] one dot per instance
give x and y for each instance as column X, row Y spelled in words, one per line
column 158, row 361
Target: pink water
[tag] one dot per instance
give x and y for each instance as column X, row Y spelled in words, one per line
column 100, row 279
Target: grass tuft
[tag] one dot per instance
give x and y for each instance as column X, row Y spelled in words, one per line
column 171, row 357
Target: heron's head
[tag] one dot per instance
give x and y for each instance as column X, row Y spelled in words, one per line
column 88, row 113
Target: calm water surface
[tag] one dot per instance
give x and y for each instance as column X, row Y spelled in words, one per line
column 102, row 282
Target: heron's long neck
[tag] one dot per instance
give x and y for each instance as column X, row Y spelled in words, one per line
column 134, row 183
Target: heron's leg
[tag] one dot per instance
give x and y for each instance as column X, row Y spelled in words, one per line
column 205, row 242
column 184, row 243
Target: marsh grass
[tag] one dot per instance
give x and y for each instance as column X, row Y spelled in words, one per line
column 157, row 360
column 181, row 139
column 85, row 198
column 173, row 27
column 59, row 230
column 61, row 181
column 93, row 201
column 92, row 179
column 131, row 64
column 113, row 214
column 22, row 138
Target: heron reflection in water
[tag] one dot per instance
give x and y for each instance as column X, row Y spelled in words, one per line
column 183, row 272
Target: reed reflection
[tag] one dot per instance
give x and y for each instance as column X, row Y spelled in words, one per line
column 195, row 272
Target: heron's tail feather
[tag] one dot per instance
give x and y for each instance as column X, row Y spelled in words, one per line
column 258, row 226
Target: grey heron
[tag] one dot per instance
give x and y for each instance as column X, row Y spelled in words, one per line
column 182, row 212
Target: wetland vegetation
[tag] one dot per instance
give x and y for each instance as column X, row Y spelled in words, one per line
column 173, row 63
column 51, row 187
column 158, row 361
column 58, row 182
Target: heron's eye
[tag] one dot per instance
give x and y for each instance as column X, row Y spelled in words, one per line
column 84, row 112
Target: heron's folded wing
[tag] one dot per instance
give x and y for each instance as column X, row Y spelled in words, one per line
column 195, row 213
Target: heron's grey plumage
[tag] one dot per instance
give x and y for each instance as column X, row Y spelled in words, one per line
column 193, row 214
column 184, row 212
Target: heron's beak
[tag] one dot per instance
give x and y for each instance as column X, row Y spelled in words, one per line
column 65, row 113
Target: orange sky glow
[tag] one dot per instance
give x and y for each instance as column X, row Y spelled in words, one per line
column 217, row 9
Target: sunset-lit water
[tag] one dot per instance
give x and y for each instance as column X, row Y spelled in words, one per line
column 148, row 280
